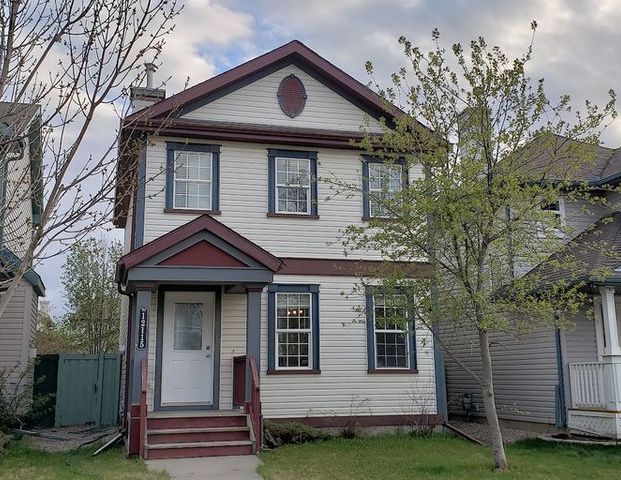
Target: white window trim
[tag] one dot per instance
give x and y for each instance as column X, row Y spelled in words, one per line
column 373, row 191
column 174, row 182
column 288, row 330
column 407, row 343
column 277, row 185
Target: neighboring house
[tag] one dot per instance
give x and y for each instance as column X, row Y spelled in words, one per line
column 240, row 301
column 20, row 209
column 560, row 378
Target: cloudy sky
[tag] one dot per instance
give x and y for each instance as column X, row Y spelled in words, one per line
column 576, row 46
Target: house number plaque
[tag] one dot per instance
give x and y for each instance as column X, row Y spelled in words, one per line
column 143, row 321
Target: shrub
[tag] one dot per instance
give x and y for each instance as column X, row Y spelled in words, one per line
column 18, row 406
column 277, row 434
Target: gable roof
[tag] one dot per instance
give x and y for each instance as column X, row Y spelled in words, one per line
column 555, row 155
column 199, row 224
column 293, row 52
column 587, row 257
column 11, row 262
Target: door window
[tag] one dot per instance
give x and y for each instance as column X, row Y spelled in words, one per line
column 188, row 326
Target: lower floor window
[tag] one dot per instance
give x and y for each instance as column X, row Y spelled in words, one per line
column 293, row 329
column 390, row 343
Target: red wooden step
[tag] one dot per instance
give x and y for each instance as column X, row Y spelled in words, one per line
column 199, row 449
column 210, row 421
column 193, row 435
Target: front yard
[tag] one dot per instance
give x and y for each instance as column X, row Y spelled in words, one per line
column 404, row 457
column 387, row 458
column 22, row 462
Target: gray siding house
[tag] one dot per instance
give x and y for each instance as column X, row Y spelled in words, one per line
column 559, row 378
column 20, row 208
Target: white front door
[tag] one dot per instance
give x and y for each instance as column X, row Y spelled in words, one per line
column 188, row 348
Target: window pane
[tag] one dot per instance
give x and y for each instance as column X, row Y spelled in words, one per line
column 188, row 326
column 193, row 188
column 385, row 180
column 293, row 325
column 391, row 339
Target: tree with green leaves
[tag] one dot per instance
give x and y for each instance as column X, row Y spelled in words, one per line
column 486, row 149
column 92, row 298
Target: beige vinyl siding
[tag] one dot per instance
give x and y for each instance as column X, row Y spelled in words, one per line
column 17, row 330
column 580, row 340
column 343, row 382
column 257, row 103
column 344, row 387
column 17, row 226
column 232, row 342
column 525, row 373
column 244, row 197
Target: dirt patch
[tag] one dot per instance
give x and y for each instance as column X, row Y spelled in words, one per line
column 480, row 431
column 69, row 438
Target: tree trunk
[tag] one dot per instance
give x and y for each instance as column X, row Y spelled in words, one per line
column 489, row 401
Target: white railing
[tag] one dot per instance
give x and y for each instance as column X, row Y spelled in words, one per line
column 587, row 381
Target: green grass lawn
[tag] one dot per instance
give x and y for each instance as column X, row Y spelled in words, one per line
column 439, row 457
column 22, row 462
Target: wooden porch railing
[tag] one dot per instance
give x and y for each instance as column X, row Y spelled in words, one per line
column 253, row 407
column 587, row 385
column 143, row 408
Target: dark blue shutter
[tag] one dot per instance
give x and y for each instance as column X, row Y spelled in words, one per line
column 370, row 330
column 366, row 207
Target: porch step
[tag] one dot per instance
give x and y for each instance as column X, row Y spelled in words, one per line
column 191, row 421
column 193, row 435
column 198, row 434
column 199, row 449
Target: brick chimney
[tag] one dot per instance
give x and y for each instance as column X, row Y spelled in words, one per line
column 142, row 97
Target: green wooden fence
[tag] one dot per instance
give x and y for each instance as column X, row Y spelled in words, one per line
column 88, row 389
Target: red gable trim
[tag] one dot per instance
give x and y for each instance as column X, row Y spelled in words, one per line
column 204, row 222
column 202, row 254
column 293, row 49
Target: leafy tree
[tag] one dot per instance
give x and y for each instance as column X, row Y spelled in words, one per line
column 493, row 148
column 93, row 300
column 51, row 336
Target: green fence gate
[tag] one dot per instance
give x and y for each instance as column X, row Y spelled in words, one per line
column 88, row 389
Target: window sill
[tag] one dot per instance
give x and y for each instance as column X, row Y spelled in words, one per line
column 390, row 371
column 293, row 215
column 381, row 219
column 192, row 211
column 293, row 372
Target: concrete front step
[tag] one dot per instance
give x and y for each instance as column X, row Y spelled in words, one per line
column 199, row 449
column 193, row 435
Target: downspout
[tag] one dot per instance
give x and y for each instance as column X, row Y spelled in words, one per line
column 438, row 354
column 561, row 404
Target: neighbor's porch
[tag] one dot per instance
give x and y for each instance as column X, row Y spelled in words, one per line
column 595, row 387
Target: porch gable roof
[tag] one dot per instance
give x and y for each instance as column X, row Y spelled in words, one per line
column 162, row 250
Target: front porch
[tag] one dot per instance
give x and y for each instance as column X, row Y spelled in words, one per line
column 194, row 342
column 595, row 387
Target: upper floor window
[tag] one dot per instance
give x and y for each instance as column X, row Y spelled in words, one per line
column 380, row 183
column 556, row 210
column 390, row 337
column 192, row 177
column 293, row 327
column 292, row 182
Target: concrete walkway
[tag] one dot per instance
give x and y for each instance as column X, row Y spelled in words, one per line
column 242, row 467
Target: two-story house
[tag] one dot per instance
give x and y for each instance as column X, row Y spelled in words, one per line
column 240, row 301
column 560, row 377
column 20, row 207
